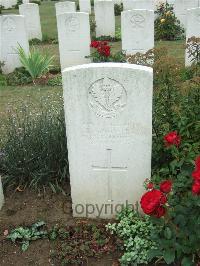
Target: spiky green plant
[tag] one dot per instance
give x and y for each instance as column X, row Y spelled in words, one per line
column 35, row 63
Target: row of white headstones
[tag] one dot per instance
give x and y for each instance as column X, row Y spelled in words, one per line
column 137, row 30
column 108, row 114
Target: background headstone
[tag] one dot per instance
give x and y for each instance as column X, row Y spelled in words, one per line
column 180, row 9
column 12, row 34
column 108, row 113
column 105, row 18
column 137, row 28
column 32, row 20
column 7, row 4
column 85, row 6
column 63, row 7
column 138, row 4
column 25, row 1
column 193, row 28
column 74, row 38
column 1, row 195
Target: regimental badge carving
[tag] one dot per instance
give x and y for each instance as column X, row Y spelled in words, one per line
column 137, row 21
column 72, row 24
column 9, row 24
column 107, row 97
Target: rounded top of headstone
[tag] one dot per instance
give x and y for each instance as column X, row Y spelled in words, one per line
column 108, row 65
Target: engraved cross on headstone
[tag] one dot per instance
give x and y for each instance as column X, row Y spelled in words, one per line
column 109, row 169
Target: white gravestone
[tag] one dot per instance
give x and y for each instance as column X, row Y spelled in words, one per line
column 32, row 20
column 138, row 4
column 180, row 9
column 7, row 4
column 193, row 29
column 1, row 195
column 105, row 18
column 108, row 113
column 137, row 28
column 12, row 34
column 74, row 38
column 25, row 1
column 63, row 7
column 85, row 6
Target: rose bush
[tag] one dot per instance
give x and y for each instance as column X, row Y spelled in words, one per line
column 167, row 26
column 102, row 53
column 173, row 203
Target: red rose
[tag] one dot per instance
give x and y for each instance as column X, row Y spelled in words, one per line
column 166, row 186
column 150, row 186
column 160, row 212
column 94, row 44
column 151, row 202
column 172, row 138
column 107, row 51
column 196, row 175
column 196, row 188
column 197, row 163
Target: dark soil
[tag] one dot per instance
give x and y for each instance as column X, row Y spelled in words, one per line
column 27, row 207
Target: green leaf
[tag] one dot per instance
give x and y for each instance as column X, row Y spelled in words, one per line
column 169, row 256
column 168, row 233
column 186, row 261
column 154, row 253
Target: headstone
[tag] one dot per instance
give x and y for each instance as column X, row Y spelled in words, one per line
column 32, row 20
column 12, row 34
column 25, row 1
column 63, row 7
column 180, row 9
column 137, row 28
column 85, row 6
column 7, row 4
column 1, row 195
column 74, row 38
column 105, row 18
column 138, row 4
column 108, row 113
column 193, row 29
column 14, row 2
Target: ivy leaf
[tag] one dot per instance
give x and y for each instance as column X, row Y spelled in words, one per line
column 169, row 256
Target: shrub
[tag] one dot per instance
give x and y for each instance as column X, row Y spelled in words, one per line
column 35, row 149
column 177, row 181
column 118, row 9
column 135, row 232
column 18, row 77
column 167, row 26
column 35, row 63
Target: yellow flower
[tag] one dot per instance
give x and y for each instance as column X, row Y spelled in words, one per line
column 162, row 20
